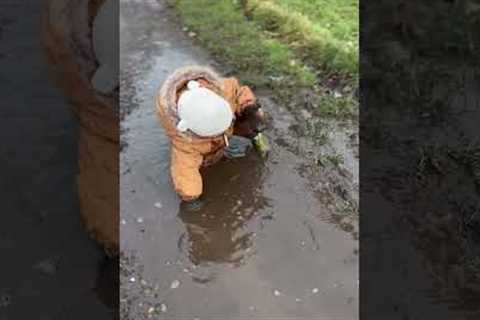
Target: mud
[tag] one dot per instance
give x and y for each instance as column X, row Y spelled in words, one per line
column 420, row 162
column 263, row 244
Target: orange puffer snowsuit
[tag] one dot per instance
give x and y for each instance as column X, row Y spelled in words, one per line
column 190, row 152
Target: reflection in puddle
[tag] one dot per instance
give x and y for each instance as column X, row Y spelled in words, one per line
column 218, row 232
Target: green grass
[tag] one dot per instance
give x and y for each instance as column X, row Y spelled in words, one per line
column 323, row 32
column 283, row 60
column 340, row 17
column 223, row 29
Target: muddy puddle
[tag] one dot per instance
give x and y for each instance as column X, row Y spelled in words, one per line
column 258, row 247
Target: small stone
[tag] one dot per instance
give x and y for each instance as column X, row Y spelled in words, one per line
column 276, row 293
column 163, row 307
column 151, row 310
column 132, row 279
column 47, row 267
column 158, row 205
column 140, row 220
column 168, row 262
column 315, row 290
column 192, row 34
column 185, row 28
column 123, row 222
column 143, row 282
column 303, row 243
column 337, row 94
column 175, row 284
column 307, row 115
column 5, row 300
column 298, row 300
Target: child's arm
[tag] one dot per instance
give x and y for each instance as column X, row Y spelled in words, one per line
column 241, row 96
column 186, row 177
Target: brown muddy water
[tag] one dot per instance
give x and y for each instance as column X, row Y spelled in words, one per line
column 258, row 248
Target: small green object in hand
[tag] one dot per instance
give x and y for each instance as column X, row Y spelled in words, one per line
column 261, row 144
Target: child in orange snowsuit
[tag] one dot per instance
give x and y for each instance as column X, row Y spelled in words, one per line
column 190, row 152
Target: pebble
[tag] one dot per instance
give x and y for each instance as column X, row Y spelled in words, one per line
column 143, row 282
column 151, row 310
column 337, row 94
column 163, row 307
column 192, row 34
column 298, row 300
column 185, row 28
column 47, row 267
column 315, row 290
column 168, row 262
column 158, row 205
column 276, row 293
column 140, row 220
column 132, row 279
column 5, row 300
column 175, row 284
column 306, row 114
column 123, row 222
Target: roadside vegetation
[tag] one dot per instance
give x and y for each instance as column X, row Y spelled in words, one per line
column 290, row 46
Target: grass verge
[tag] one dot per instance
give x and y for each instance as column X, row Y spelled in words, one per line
column 222, row 27
column 260, row 59
column 324, row 33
